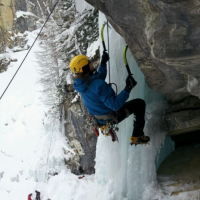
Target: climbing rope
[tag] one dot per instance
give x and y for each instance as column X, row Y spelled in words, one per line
column 30, row 48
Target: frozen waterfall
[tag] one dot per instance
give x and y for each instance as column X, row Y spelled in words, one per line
column 128, row 170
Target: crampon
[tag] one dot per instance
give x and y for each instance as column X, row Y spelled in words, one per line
column 139, row 140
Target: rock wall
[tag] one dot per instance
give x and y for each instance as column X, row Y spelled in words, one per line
column 7, row 14
column 81, row 136
column 21, row 5
column 163, row 36
column 178, row 174
column 11, row 24
column 184, row 117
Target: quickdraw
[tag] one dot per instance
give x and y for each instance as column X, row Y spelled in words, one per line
column 108, row 130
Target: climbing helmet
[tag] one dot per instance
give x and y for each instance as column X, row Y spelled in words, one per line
column 78, row 62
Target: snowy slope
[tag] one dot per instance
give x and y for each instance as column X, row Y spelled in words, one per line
column 29, row 146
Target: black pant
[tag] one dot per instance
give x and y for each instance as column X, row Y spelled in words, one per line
column 136, row 106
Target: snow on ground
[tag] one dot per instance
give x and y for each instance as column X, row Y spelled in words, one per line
column 29, row 146
column 92, row 49
column 63, row 186
column 24, row 14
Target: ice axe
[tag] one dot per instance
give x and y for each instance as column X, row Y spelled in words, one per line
column 104, row 46
column 102, row 38
column 127, row 66
column 125, row 60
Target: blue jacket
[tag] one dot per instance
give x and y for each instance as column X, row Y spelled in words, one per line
column 98, row 96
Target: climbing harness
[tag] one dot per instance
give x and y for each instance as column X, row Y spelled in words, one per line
column 30, row 48
column 109, row 129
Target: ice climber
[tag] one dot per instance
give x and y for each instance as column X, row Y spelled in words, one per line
column 100, row 99
column 29, row 196
column 81, row 170
column 37, row 195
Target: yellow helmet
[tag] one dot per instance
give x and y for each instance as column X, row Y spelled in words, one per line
column 77, row 63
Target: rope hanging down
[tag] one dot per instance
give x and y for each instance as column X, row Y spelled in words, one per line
column 30, row 48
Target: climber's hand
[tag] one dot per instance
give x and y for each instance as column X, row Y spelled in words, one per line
column 105, row 58
column 130, row 83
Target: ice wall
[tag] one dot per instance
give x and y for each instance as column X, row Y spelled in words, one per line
column 128, row 170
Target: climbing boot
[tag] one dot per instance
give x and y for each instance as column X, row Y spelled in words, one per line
column 139, row 140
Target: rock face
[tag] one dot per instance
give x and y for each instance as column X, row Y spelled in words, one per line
column 179, row 172
column 4, row 62
column 163, row 36
column 11, row 24
column 81, row 136
column 184, row 118
column 7, row 11
column 20, row 5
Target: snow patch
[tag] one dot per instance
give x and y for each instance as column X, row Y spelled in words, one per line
column 32, row 4
column 24, row 14
column 191, row 83
column 76, row 98
column 5, row 58
column 91, row 51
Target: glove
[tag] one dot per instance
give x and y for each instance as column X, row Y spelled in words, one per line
column 130, row 83
column 105, row 58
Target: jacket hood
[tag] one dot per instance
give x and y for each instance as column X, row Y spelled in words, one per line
column 81, row 86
